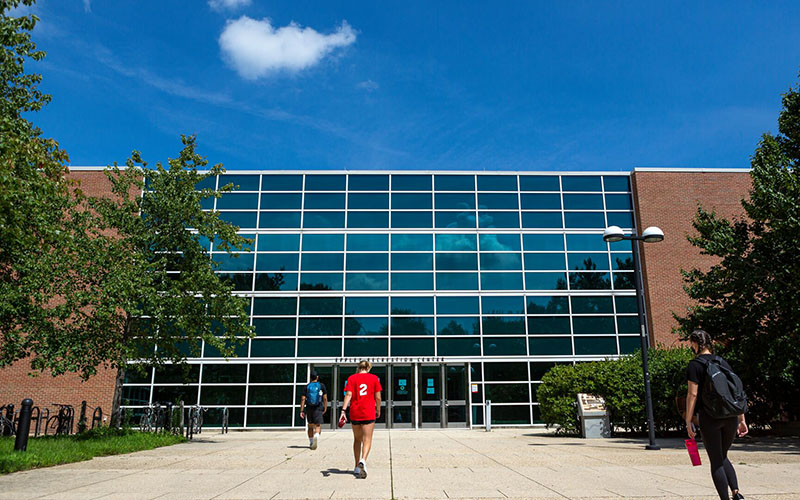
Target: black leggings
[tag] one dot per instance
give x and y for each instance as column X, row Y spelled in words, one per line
column 718, row 436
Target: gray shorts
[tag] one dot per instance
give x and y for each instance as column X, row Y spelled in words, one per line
column 314, row 414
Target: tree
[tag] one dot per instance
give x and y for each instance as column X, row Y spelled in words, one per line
column 749, row 300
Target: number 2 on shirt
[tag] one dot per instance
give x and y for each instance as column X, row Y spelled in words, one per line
column 362, row 390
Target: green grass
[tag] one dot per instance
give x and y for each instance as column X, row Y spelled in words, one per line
column 55, row 450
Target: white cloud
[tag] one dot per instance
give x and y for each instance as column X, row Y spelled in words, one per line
column 87, row 5
column 368, row 85
column 220, row 5
column 255, row 48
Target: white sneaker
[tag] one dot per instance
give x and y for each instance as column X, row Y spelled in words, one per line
column 314, row 441
column 357, row 471
column 363, row 470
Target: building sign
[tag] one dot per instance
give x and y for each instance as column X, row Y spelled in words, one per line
column 409, row 359
column 474, row 388
column 402, row 387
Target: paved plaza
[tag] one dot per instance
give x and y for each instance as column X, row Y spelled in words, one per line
column 520, row 463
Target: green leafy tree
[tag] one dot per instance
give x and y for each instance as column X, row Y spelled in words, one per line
column 749, row 299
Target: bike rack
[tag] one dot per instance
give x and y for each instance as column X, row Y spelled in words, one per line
column 97, row 417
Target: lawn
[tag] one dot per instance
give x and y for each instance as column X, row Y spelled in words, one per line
column 55, row 450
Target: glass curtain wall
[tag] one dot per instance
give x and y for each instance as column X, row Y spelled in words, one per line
column 507, row 271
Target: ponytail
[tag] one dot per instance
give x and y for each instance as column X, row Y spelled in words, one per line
column 702, row 339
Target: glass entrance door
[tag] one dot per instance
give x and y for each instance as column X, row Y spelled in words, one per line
column 430, row 394
column 342, row 372
column 401, row 396
column 455, row 392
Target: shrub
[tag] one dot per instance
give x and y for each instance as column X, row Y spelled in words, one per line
column 620, row 383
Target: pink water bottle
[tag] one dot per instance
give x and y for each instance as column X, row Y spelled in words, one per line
column 694, row 455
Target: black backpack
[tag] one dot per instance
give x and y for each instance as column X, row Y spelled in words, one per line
column 723, row 393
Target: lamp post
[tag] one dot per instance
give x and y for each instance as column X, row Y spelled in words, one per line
column 650, row 235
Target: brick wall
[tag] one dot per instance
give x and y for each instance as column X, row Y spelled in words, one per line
column 44, row 389
column 669, row 200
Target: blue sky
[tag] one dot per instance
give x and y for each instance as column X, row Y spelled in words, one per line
column 417, row 84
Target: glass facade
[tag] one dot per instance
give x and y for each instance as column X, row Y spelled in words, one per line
column 498, row 276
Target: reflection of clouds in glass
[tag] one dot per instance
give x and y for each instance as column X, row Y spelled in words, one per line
column 455, row 242
column 499, row 242
column 367, row 281
column 463, row 219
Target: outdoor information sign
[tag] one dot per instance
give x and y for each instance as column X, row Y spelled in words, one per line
column 594, row 416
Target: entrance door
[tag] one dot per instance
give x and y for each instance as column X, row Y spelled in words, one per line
column 455, row 392
column 431, row 399
column 342, row 373
column 401, row 395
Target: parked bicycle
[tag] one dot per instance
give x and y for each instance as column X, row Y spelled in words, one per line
column 7, row 424
column 61, row 423
column 195, row 424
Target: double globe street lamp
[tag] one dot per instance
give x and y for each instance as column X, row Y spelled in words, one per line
column 650, row 235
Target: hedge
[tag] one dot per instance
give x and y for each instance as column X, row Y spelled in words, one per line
column 621, row 384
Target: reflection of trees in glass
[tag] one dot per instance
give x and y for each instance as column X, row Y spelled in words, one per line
column 623, row 281
column 270, row 282
column 589, row 281
column 624, row 264
column 239, row 281
column 588, row 264
column 556, row 305
column 455, row 328
column 321, row 326
column 405, row 325
column 314, row 286
column 498, row 325
column 352, row 326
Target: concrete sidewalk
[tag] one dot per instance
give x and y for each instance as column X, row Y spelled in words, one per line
column 522, row 463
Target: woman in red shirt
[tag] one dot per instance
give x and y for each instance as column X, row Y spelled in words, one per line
column 363, row 396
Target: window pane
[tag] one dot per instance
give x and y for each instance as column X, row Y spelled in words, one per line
column 497, row 183
column 503, row 325
column 550, row 346
column 240, row 282
column 629, row 344
column 591, row 305
column 581, row 183
column 321, row 306
column 455, row 219
column 498, row 219
column 367, row 261
column 274, row 306
column 412, row 242
column 459, row 347
column 207, row 183
column 279, row 219
column 590, row 325
column 455, row 201
column 322, row 261
column 282, row 183
column 456, row 261
column 177, row 374
column 412, row 347
column 623, row 281
column 368, row 219
column 368, row 200
column 506, row 371
column 456, row 242
column 585, row 346
column 412, row 281
column 240, row 182
column 545, row 281
column 543, row 220
column 241, row 219
column 269, row 417
column 211, row 351
column 321, row 281
column 541, row 201
column 412, row 305
column 328, row 327
column 238, row 201
column 618, row 202
column 627, row 304
column 319, row 347
column 369, row 183
column 278, row 242
column 460, row 325
column 589, row 281
column 539, row 183
column 207, row 203
column 411, row 182
column 499, row 242
column 456, row 281
column 542, row 242
column 272, row 348
column 544, row 261
column 586, row 242
column 367, row 281
column 507, row 393
column 548, row 325
column 584, row 220
column 367, row 242
column 504, row 346
column 628, row 324
column 323, row 219
column 616, row 183
column 411, row 201
column 324, row 200
column 583, row 202
column 457, row 305
column 410, row 325
column 273, row 327
column 366, row 347
column 501, row 281
column 548, row 304
column 412, row 219
column 497, row 201
column 224, row 373
column 270, row 395
column 325, row 182
column 222, row 395
column 454, row 182
column 366, row 326
column 277, row 262
column 276, row 281
column 366, row 305
column 587, row 261
column 234, row 262
column 501, row 261
column 503, row 305
column 412, row 261
column 621, row 219
column 622, row 261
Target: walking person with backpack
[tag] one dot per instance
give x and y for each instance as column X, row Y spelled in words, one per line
column 363, row 397
column 716, row 393
column 316, row 401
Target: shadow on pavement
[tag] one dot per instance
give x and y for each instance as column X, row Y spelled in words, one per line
column 298, row 447
column 328, row 472
column 764, row 444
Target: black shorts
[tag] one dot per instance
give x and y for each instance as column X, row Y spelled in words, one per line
column 314, row 414
column 362, row 422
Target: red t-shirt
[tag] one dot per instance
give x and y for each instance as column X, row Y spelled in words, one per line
column 363, row 387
